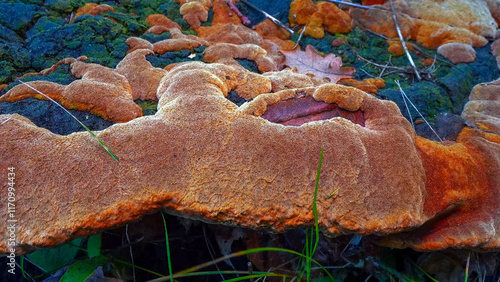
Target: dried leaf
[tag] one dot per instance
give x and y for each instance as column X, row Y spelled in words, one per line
column 311, row 62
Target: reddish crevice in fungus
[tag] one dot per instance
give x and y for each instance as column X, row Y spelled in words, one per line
column 295, row 112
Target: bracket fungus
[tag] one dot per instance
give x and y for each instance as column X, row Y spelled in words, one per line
column 101, row 90
column 203, row 157
column 227, row 53
column 432, row 23
column 211, row 160
column 160, row 23
column 462, row 182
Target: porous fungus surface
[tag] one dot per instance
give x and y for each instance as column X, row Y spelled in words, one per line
column 319, row 17
column 141, row 75
column 227, row 53
column 195, row 12
column 432, row 23
column 205, row 140
column 483, row 109
column 160, row 23
column 457, row 52
column 200, row 156
column 463, row 184
column 179, row 41
column 101, row 90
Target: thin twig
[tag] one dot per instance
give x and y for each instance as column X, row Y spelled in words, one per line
column 422, row 116
column 415, row 47
column 211, row 251
column 395, row 69
column 131, row 254
column 383, row 69
column 300, row 37
column 471, row 125
column 403, row 43
column 244, row 19
column 273, row 19
column 369, row 74
column 7, row 120
column 406, row 105
column 350, row 4
column 379, row 65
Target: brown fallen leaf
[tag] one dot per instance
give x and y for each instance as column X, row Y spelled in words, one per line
column 312, row 62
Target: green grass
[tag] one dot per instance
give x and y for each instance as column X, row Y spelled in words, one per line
column 81, row 123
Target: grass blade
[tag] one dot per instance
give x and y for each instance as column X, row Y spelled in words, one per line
column 168, row 248
column 238, row 254
column 314, row 240
column 81, row 123
column 467, row 269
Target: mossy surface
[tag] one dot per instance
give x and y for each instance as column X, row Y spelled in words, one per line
column 148, row 107
column 98, row 38
column 18, row 16
column 61, row 75
column 153, row 38
column 46, row 114
column 428, row 97
column 163, row 60
column 248, row 64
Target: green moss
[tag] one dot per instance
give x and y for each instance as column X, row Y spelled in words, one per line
column 249, row 65
column 7, row 72
column 171, row 9
column 148, row 107
column 429, row 98
column 153, row 38
column 134, row 25
column 98, row 38
column 63, row 6
column 19, row 16
column 161, row 61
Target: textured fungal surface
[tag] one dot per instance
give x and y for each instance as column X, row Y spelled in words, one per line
column 187, row 64
column 198, row 141
column 101, row 90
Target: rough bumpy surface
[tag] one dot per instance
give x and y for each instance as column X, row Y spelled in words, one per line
column 101, row 90
column 463, row 186
column 433, row 23
column 202, row 157
column 463, row 182
column 483, row 109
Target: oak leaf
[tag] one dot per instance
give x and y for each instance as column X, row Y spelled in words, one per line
column 312, row 62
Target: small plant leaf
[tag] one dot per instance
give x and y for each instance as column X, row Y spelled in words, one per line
column 52, row 259
column 94, row 246
column 80, row 270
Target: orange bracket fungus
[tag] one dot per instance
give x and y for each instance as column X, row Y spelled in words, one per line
column 227, row 53
column 255, row 166
column 463, row 182
column 203, row 157
column 101, row 90
column 432, row 23
column 160, row 23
